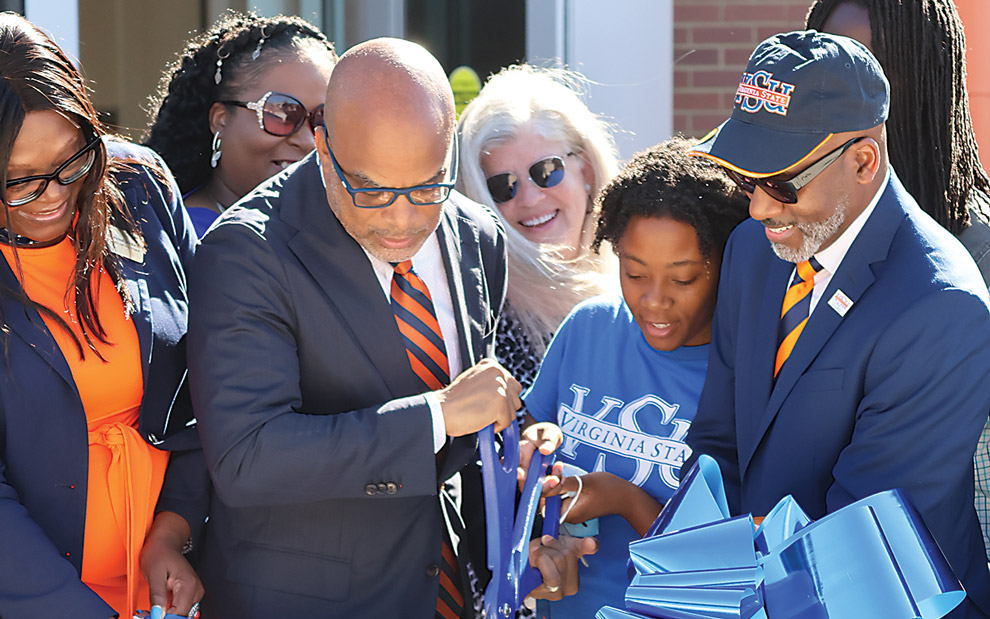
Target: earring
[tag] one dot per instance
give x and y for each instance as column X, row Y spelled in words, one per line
column 215, row 155
column 587, row 186
column 221, row 56
column 261, row 41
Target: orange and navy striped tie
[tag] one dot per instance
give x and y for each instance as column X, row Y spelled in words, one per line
column 413, row 308
column 417, row 320
column 795, row 311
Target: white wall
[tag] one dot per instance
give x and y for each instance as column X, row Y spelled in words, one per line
column 625, row 47
column 60, row 18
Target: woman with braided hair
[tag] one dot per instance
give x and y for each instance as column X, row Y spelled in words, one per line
column 922, row 49
column 239, row 105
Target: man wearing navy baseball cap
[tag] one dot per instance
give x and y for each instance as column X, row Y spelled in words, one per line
column 851, row 341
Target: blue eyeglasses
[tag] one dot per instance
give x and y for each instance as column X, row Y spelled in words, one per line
column 380, row 197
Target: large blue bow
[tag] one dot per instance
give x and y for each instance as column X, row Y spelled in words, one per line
column 873, row 558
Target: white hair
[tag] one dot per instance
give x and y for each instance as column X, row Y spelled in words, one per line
column 543, row 285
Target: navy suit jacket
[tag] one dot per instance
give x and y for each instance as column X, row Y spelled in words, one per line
column 43, row 436
column 892, row 395
column 314, row 429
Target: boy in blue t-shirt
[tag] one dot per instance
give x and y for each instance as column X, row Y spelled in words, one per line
column 622, row 376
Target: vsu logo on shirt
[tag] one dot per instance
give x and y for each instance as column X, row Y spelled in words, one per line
column 625, row 438
column 758, row 91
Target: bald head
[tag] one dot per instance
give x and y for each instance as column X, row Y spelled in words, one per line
column 390, row 81
column 389, row 125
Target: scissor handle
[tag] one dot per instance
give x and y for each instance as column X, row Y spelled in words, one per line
column 530, row 577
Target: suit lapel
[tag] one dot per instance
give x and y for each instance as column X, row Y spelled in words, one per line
column 341, row 269
column 461, row 273
column 452, row 248
column 763, row 345
column 854, row 277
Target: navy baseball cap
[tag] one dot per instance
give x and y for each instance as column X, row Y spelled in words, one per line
column 798, row 89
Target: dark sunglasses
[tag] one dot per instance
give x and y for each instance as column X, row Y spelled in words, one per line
column 545, row 173
column 281, row 114
column 20, row 191
column 786, row 191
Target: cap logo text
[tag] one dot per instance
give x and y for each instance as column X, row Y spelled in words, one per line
column 760, row 91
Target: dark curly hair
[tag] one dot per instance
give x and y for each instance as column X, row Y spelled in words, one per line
column 921, row 47
column 663, row 181
column 180, row 131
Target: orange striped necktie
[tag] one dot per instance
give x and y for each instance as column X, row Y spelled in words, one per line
column 795, row 311
column 413, row 309
column 417, row 321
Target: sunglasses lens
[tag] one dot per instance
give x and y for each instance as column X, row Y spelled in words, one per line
column 780, row 191
column 502, row 186
column 547, row 172
column 283, row 114
column 744, row 182
column 316, row 117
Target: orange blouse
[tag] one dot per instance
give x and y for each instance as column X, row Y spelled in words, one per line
column 125, row 472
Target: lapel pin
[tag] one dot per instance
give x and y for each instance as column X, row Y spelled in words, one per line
column 840, row 302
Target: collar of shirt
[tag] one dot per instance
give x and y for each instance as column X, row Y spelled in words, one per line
column 831, row 257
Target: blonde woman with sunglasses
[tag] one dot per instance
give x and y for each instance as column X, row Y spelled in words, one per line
column 239, row 105
column 533, row 152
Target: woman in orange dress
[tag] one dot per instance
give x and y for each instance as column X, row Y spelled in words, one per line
column 101, row 475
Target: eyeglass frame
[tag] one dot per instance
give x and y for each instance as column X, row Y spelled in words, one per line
column 48, row 178
column 796, row 182
column 529, row 175
column 396, row 192
column 258, row 107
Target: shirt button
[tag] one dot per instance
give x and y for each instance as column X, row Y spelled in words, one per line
column 371, row 489
column 382, row 488
column 392, row 487
column 433, row 570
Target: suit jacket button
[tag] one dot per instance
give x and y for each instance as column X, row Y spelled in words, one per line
column 382, row 488
column 392, row 487
column 433, row 570
column 371, row 489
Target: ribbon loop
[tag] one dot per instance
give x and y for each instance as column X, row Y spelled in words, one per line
column 873, row 558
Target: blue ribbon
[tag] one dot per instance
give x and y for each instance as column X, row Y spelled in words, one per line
column 873, row 558
column 508, row 538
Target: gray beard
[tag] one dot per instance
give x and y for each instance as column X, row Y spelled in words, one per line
column 814, row 235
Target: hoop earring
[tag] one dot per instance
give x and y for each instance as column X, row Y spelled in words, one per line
column 215, row 155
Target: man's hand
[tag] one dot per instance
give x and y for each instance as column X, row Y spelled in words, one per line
column 557, row 560
column 481, row 395
column 172, row 582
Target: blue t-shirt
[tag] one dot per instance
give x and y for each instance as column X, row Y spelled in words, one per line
column 625, row 408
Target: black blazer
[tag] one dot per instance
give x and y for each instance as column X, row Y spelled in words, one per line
column 320, row 447
column 44, row 451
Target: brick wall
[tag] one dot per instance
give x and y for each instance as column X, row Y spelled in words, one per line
column 712, row 42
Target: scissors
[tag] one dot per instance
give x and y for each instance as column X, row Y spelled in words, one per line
column 508, row 538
